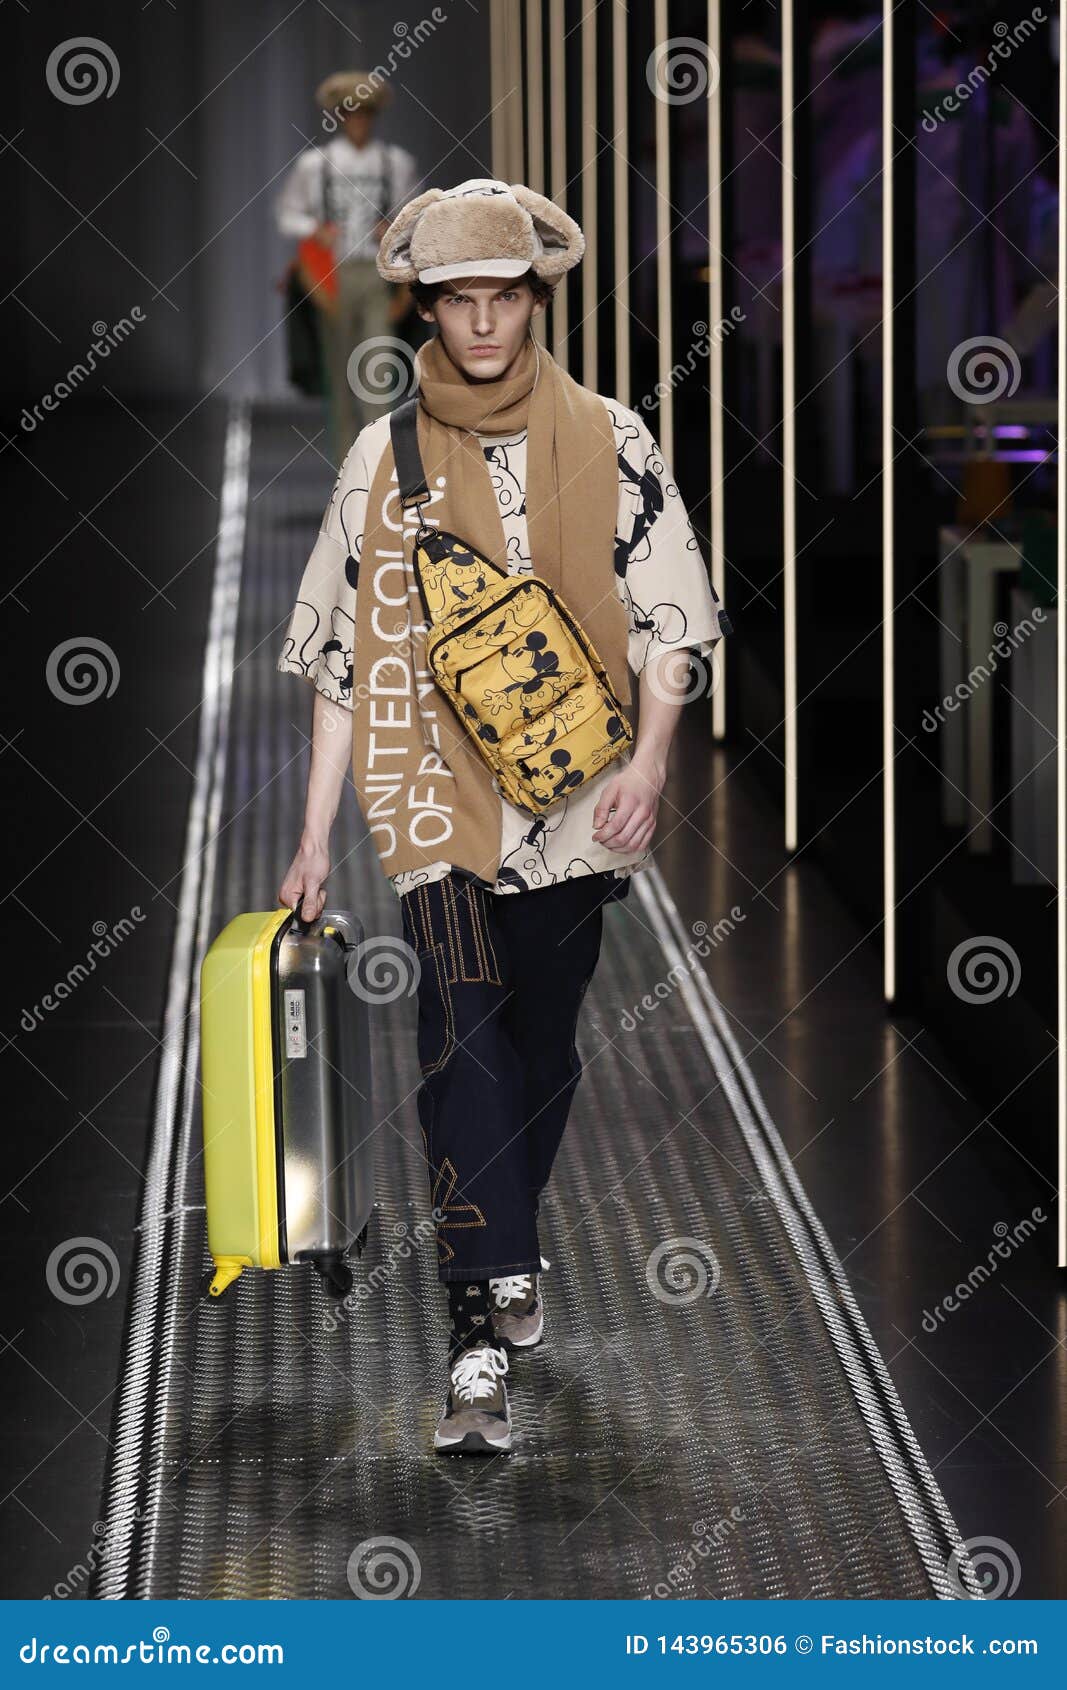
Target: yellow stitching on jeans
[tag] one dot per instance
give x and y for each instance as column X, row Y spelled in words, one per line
column 455, row 936
column 476, row 933
column 484, row 897
column 448, row 912
column 450, row 1025
column 479, row 973
column 463, row 1209
column 425, row 919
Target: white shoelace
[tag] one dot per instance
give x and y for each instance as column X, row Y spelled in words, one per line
column 511, row 1289
column 476, row 1372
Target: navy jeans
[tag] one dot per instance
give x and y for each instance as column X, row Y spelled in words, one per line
column 502, row 978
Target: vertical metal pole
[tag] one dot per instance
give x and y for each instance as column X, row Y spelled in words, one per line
column 535, row 98
column 716, row 418
column 621, row 126
column 558, row 82
column 590, row 337
column 516, row 170
column 889, row 789
column 1061, row 669
column 535, row 121
column 663, row 249
column 497, row 124
column 789, row 426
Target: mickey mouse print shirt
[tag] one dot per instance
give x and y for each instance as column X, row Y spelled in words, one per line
column 660, row 576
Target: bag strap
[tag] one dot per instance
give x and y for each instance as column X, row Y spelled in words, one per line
column 409, row 471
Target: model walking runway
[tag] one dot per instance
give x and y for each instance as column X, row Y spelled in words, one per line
column 708, row 1416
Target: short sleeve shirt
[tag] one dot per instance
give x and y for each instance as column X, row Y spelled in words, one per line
column 660, row 576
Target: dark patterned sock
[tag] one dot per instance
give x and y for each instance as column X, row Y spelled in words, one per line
column 470, row 1316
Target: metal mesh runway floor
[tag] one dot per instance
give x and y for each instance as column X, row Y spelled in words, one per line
column 738, row 1444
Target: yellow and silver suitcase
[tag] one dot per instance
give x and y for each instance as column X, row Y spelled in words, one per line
column 285, row 1070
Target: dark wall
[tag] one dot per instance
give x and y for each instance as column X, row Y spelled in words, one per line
column 158, row 194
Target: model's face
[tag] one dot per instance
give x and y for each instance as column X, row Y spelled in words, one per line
column 358, row 126
column 483, row 322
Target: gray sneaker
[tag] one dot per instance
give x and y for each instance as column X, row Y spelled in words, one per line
column 476, row 1419
column 518, row 1312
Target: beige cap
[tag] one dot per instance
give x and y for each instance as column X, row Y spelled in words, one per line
column 482, row 227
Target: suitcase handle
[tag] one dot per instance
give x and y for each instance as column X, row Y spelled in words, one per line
column 304, row 924
column 338, row 922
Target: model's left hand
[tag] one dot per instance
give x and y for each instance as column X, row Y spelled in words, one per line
column 634, row 793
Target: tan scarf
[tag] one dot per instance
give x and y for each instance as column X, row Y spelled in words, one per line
column 425, row 793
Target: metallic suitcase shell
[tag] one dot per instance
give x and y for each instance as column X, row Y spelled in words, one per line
column 286, row 1073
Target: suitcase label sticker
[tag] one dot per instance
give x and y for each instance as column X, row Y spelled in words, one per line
column 296, row 1043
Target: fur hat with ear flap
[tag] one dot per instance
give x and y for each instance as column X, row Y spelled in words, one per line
column 482, row 227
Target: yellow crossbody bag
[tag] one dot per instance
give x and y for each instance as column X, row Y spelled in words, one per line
column 523, row 678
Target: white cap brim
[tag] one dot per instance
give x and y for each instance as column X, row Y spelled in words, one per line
column 475, row 267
